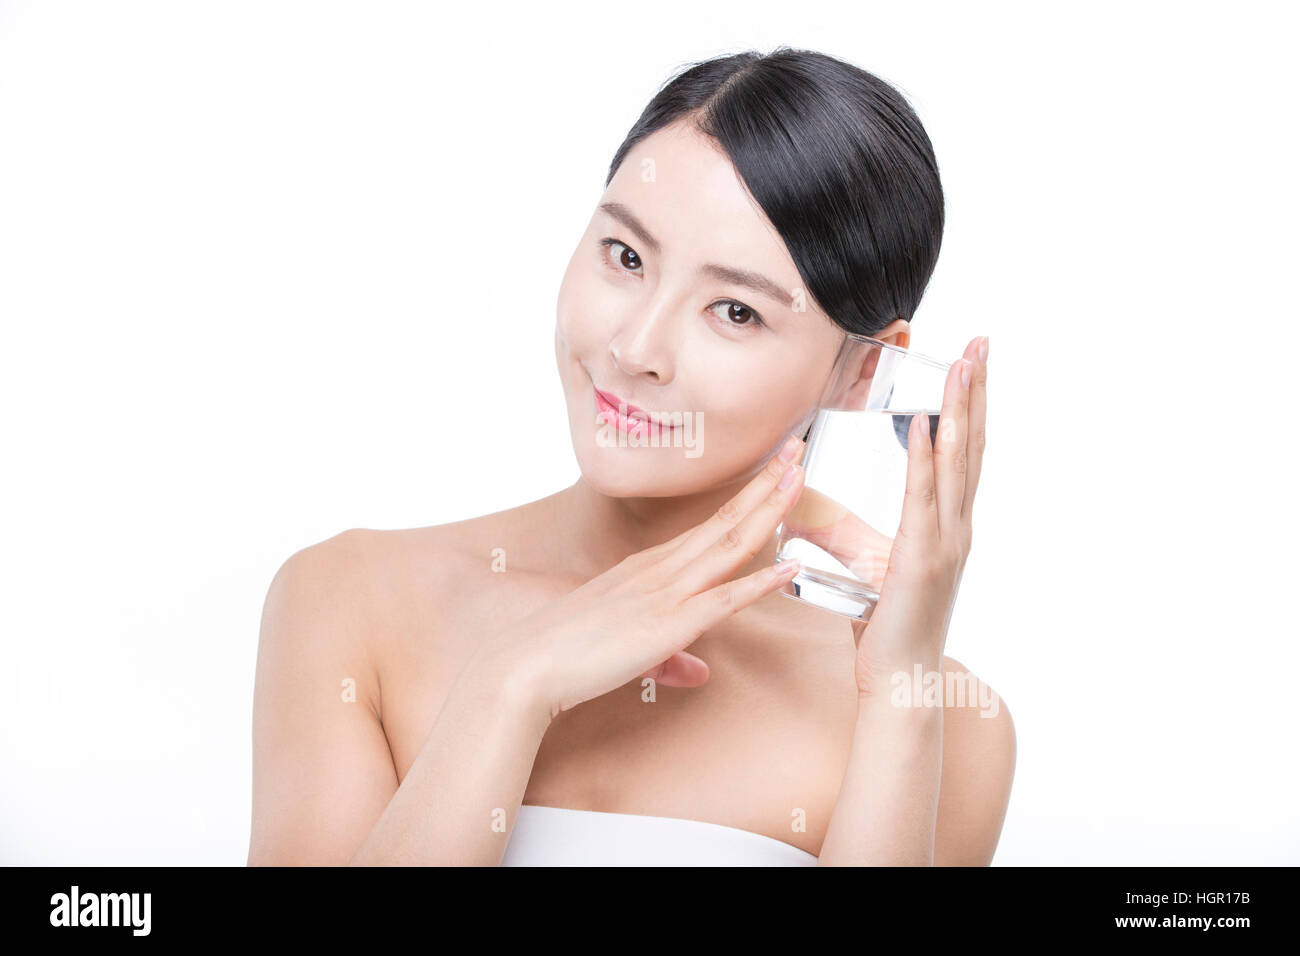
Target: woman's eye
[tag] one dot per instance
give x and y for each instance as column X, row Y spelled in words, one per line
column 628, row 258
column 735, row 313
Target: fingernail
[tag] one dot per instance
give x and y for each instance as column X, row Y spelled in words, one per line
column 787, row 477
column 984, row 350
column 965, row 373
column 789, row 448
column 786, row 566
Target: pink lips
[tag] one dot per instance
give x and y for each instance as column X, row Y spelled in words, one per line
column 631, row 418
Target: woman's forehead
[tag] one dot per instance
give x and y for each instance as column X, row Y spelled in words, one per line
column 682, row 187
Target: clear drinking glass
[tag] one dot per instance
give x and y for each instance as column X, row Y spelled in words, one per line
column 841, row 528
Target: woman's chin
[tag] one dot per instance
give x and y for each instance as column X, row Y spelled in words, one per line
column 631, row 473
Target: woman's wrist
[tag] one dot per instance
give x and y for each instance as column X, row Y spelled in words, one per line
column 900, row 681
column 509, row 681
column 916, row 718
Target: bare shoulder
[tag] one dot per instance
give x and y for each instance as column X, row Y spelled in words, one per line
column 370, row 582
column 354, row 635
column 394, row 592
column 318, row 605
column 979, row 761
column 322, row 771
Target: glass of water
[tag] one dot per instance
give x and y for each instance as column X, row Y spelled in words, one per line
column 842, row 526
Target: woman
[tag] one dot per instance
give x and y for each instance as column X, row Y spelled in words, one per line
column 606, row 674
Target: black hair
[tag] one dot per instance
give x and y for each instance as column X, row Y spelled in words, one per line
column 837, row 160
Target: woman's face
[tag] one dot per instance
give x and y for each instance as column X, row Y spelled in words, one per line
column 682, row 300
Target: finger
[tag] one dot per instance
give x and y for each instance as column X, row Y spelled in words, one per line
column 950, row 446
column 731, row 514
column 669, row 557
column 638, row 561
column 920, row 519
column 680, row 670
column 712, row 607
column 737, row 546
column 978, row 414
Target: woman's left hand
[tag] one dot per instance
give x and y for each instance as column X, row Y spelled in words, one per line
column 909, row 624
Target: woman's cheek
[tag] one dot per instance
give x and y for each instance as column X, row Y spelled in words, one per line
column 583, row 316
column 764, row 415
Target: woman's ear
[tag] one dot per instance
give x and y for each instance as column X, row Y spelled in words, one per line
column 860, row 377
column 897, row 333
column 859, row 362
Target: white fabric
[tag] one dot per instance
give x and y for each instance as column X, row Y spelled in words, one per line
column 558, row 836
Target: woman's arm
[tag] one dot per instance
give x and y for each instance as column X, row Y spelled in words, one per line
column 925, row 785
column 458, row 802
column 889, row 800
column 322, row 771
column 325, row 791
column 888, row 808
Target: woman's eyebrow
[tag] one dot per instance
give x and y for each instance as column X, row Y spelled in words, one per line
column 744, row 277
column 750, row 280
column 624, row 215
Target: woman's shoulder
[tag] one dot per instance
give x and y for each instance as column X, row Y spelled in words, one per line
column 398, row 581
column 383, row 555
column 371, row 562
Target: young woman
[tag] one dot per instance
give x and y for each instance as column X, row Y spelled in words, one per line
column 606, row 675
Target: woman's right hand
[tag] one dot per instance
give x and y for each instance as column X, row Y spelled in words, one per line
column 637, row 618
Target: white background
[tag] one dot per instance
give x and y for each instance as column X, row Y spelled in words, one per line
column 257, row 261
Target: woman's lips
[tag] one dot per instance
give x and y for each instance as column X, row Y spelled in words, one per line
column 631, row 419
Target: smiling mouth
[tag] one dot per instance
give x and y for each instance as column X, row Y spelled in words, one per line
column 629, row 417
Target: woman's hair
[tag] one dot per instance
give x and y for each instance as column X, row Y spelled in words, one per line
column 836, row 159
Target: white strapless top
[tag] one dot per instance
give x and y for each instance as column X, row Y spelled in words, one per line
column 558, row 836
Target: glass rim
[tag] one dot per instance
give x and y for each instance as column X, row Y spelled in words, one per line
column 920, row 357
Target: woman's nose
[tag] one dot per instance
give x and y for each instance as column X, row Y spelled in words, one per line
column 646, row 345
